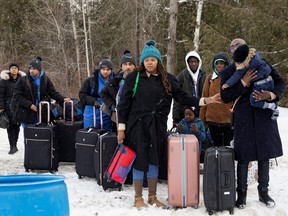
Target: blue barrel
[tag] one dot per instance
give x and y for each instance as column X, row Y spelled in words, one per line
column 33, row 194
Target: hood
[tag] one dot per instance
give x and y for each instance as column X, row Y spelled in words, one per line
column 196, row 55
column 245, row 63
column 5, row 74
column 221, row 55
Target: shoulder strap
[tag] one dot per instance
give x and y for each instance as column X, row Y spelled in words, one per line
column 27, row 80
column 136, row 83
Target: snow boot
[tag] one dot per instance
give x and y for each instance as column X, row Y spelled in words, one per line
column 139, row 202
column 152, row 188
column 241, row 198
column 265, row 198
column 13, row 150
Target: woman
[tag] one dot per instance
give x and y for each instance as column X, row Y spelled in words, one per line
column 142, row 117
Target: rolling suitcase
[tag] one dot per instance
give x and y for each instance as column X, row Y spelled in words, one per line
column 86, row 140
column 120, row 164
column 183, row 170
column 66, row 134
column 41, row 151
column 103, row 154
column 219, row 179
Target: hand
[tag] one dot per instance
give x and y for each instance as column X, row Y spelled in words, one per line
column 214, row 99
column 97, row 104
column 249, row 75
column 67, row 99
column 179, row 127
column 2, row 110
column 263, row 95
column 113, row 108
column 121, row 136
column 224, row 86
column 33, row 107
column 194, row 128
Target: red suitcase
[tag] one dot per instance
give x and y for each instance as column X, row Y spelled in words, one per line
column 121, row 164
column 183, row 170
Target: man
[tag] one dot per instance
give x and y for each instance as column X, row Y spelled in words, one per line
column 191, row 80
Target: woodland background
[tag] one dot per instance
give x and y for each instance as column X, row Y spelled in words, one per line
column 72, row 36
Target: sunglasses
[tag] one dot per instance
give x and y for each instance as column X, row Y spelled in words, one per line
column 234, row 47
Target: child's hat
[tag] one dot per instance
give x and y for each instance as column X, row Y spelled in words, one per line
column 241, row 53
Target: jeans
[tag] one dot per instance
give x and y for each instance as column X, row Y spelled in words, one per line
column 152, row 173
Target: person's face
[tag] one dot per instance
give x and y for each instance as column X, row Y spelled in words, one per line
column 14, row 70
column 150, row 65
column 234, row 47
column 105, row 72
column 34, row 72
column 219, row 66
column 189, row 115
column 193, row 64
column 127, row 67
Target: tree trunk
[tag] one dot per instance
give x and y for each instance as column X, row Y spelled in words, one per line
column 197, row 28
column 86, row 38
column 171, row 48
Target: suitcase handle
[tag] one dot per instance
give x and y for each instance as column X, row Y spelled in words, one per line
column 94, row 118
column 72, row 110
column 42, row 103
column 225, row 180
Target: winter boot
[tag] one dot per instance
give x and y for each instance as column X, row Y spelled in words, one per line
column 13, row 149
column 265, row 198
column 139, row 202
column 152, row 188
column 241, row 198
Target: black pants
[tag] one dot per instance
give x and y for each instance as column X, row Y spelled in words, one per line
column 263, row 174
column 221, row 134
column 13, row 134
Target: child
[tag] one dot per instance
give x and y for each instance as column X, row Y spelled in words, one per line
column 245, row 59
column 192, row 125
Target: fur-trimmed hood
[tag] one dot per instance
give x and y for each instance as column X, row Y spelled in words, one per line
column 246, row 62
column 5, row 74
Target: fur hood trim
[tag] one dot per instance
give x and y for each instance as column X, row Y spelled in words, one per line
column 245, row 63
column 5, row 74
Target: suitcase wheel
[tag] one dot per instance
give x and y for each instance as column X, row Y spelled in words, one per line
column 26, row 170
column 210, row 212
column 196, row 206
column 79, row 177
column 231, row 211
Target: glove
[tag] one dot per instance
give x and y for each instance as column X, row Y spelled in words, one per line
column 113, row 108
column 97, row 104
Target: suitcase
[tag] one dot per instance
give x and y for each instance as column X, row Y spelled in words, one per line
column 219, row 179
column 86, row 140
column 41, row 151
column 183, row 170
column 66, row 134
column 104, row 151
column 120, row 164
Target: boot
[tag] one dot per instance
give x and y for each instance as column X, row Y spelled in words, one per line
column 139, row 202
column 13, row 150
column 241, row 198
column 152, row 199
column 265, row 198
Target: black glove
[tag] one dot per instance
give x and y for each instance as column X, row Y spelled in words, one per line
column 113, row 108
column 97, row 104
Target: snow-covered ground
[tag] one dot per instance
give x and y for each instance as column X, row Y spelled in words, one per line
column 86, row 198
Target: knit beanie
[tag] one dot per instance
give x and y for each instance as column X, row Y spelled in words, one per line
column 241, row 53
column 36, row 63
column 13, row 65
column 106, row 63
column 127, row 57
column 150, row 51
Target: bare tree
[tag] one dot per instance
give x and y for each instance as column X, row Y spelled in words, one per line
column 197, row 28
column 84, row 4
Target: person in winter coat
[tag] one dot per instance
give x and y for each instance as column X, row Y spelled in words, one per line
column 216, row 117
column 7, row 84
column 192, row 125
column 191, row 80
column 143, row 114
column 245, row 59
column 89, row 95
column 256, row 135
column 32, row 89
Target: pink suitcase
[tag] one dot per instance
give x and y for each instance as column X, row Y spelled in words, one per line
column 183, row 170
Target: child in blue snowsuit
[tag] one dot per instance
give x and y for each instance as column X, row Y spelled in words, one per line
column 245, row 59
column 192, row 125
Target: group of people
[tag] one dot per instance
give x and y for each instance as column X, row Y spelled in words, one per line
column 136, row 102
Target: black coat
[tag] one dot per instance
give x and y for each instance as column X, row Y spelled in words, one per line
column 145, row 115
column 26, row 96
column 256, row 136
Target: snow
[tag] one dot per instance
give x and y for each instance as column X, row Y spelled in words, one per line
column 86, row 198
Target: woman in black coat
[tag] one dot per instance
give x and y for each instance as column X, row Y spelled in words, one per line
column 7, row 84
column 256, row 135
column 143, row 117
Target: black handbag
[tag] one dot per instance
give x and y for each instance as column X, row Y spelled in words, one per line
column 4, row 120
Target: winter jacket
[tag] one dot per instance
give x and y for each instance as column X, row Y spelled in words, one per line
column 145, row 115
column 256, row 135
column 216, row 113
column 89, row 94
column 7, row 85
column 187, row 84
column 26, row 95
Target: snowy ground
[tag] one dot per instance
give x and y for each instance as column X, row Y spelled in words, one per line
column 86, row 198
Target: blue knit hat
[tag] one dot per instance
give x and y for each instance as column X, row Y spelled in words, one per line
column 150, row 51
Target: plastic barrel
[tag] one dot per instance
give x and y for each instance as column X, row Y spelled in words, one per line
column 33, row 194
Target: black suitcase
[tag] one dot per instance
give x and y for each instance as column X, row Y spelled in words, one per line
column 104, row 151
column 41, row 150
column 86, row 140
column 219, row 179
column 66, row 134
